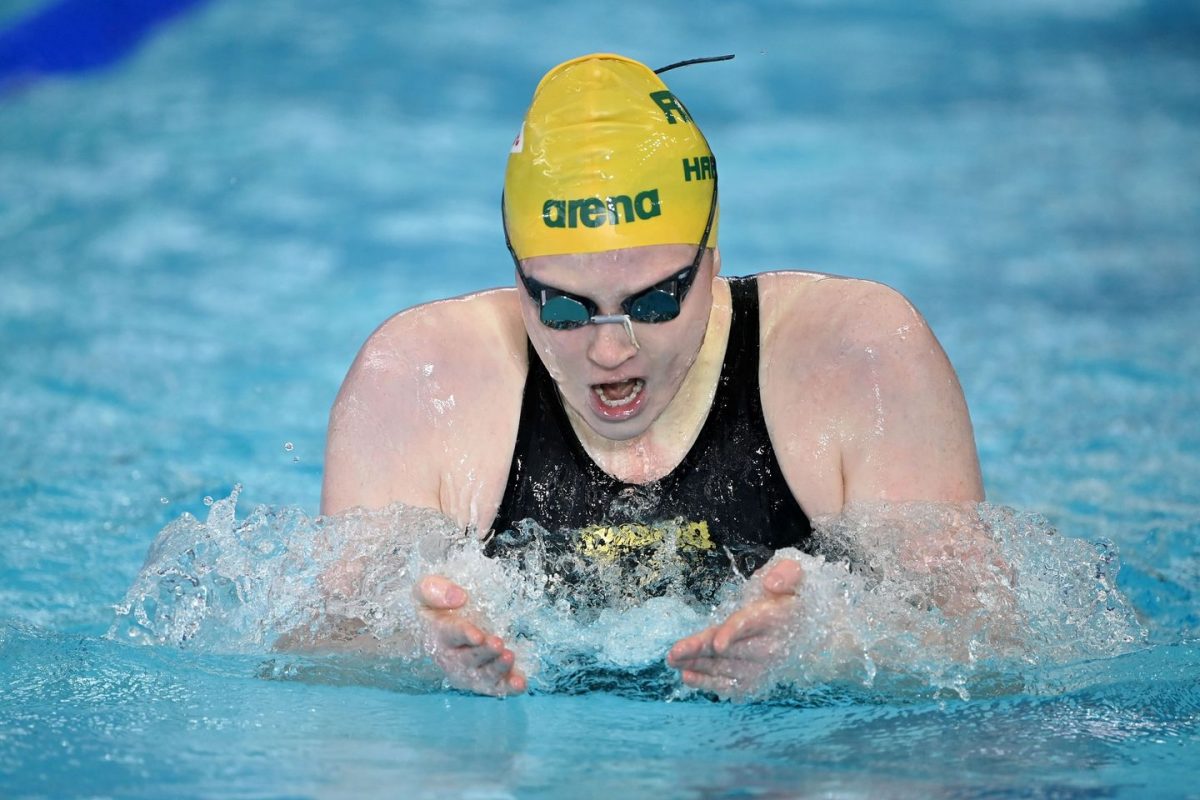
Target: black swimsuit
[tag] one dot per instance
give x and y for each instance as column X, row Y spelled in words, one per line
column 725, row 507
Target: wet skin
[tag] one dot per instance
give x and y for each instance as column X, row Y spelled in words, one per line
column 859, row 400
column 592, row 356
column 652, row 368
column 471, row 658
column 734, row 657
column 731, row 658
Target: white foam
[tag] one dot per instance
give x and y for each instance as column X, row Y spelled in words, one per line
column 873, row 610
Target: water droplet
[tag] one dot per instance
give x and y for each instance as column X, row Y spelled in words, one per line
column 208, row 501
column 164, row 500
column 295, row 459
column 289, row 446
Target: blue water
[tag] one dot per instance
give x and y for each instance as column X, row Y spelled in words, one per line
column 195, row 241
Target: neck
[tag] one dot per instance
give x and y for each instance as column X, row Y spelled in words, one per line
column 654, row 453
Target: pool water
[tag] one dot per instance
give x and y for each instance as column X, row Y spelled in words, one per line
column 195, row 241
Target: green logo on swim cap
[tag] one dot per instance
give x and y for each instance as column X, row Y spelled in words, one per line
column 670, row 106
column 700, row 168
column 592, row 212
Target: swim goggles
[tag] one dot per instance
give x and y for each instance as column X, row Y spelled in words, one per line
column 658, row 303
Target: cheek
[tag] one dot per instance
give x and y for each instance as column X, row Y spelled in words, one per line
column 559, row 350
column 680, row 345
column 675, row 349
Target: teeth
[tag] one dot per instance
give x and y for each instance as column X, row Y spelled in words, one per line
column 634, row 391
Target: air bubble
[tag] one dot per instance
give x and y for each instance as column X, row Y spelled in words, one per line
column 288, row 446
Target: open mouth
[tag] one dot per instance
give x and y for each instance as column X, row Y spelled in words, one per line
column 621, row 394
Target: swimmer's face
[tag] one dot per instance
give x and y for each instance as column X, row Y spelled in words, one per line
column 619, row 388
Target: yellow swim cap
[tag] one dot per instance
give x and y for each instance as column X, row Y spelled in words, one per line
column 606, row 158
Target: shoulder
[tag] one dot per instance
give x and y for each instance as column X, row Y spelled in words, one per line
column 852, row 366
column 478, row 326
column 830, row 324
column 434, row 386
column 839, row 310
column 452, row 344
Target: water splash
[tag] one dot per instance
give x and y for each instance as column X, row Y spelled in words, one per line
column 917, row 599
column 947, row 598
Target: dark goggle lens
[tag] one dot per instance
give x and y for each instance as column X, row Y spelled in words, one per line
column 563, row 313
column 654, row 306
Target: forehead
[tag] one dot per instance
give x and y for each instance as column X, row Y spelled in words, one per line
column 616, row 272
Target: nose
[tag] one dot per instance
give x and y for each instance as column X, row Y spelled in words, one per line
column 612, row 344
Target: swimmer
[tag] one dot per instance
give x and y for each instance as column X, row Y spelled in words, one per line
column 622, row 387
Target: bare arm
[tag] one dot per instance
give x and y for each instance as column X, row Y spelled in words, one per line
column 907, row 437
column 380, row 447
column 396, row 434
column 906, row 433
column 863, row 408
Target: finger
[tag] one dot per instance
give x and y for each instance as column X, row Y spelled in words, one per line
column 436, row 592
column 501, row 677
column 513, row 682
column 754, row 620
column 497, row 664
column 726, row 687
column 691, row 646
column 516, row 682
column 724, row 667
column 485, row 653
column 452, row 632
column 762, row 649
column 784, row 577
column 462, row 673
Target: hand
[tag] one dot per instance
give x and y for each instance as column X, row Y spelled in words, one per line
column 472, row 659
column 734, row 657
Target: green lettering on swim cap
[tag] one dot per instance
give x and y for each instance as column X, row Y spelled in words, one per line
column 646, row 212
column 626, row 203
column 699, row 168
column 600, row 149
column 548, row 216
column 670, row 106
column 594, row 212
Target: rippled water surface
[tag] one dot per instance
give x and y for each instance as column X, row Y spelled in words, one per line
column 195, row 240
